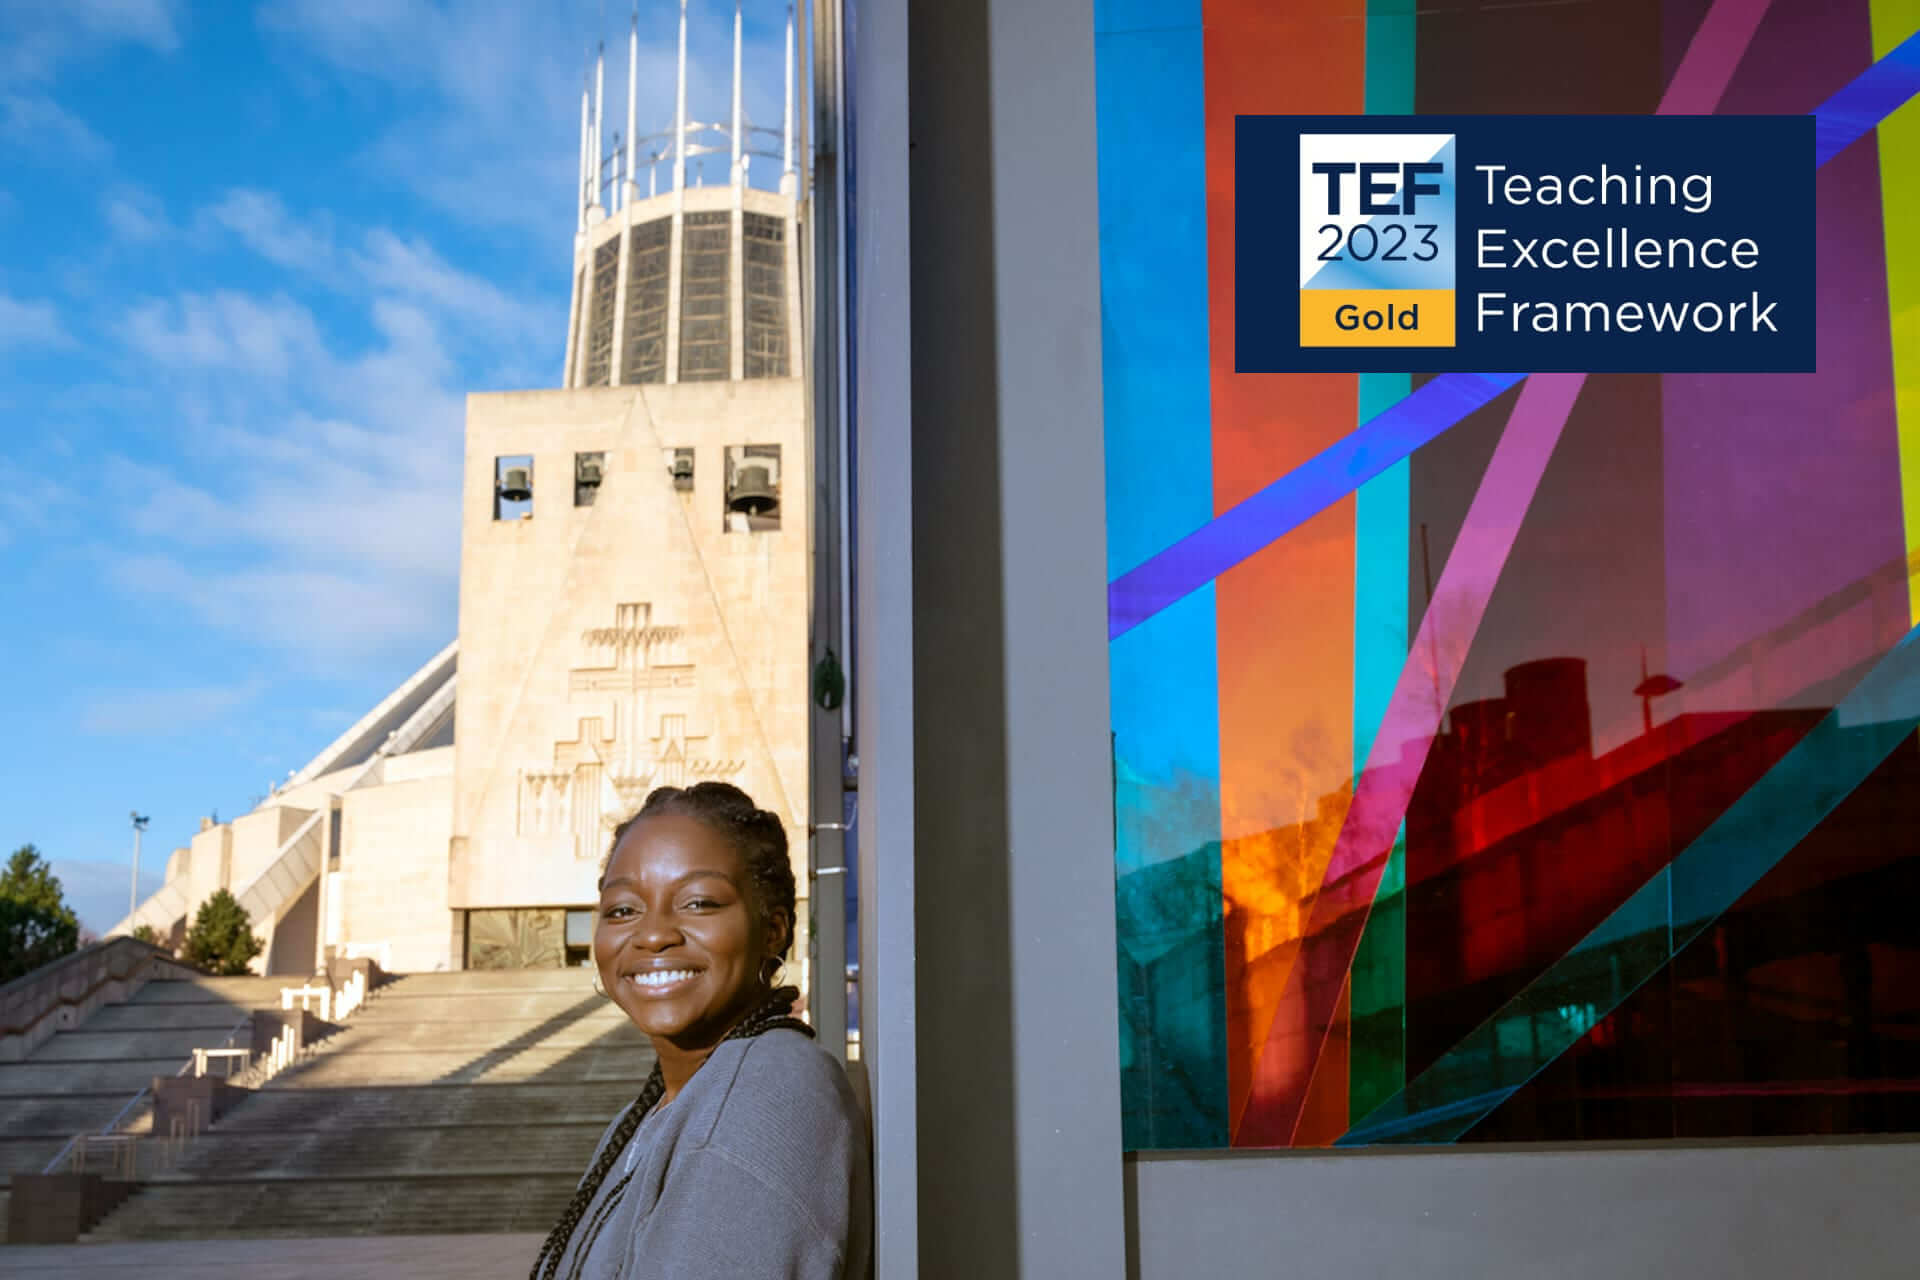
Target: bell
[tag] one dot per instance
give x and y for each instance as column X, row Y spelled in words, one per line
column 752, row 491
column 516, row 484
column 682, row 469
column 587, row 468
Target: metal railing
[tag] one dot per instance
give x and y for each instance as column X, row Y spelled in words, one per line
column 122, row 1154
column 202, row 1056
column 323, row 994
column 352, row 995
column 336, row 1005
column 257, row 1068
column 71, row 1157
column 132, row 1155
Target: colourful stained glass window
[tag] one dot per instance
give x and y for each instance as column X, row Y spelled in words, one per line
column 1504, row 757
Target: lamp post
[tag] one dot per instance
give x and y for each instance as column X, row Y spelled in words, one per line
column 133, row 890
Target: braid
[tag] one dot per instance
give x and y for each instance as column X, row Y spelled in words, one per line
column 773, row 1012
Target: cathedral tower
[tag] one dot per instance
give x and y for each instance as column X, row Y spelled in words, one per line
column 633, row 598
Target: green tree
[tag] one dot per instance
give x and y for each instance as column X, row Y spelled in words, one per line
column 221, row 940
column 36, row 924
column 151, row 936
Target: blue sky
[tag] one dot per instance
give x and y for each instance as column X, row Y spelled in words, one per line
column 252, row 258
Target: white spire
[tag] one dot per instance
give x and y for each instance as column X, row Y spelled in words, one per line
column 739, row 175
column 580, row 192
column 786, row 123
column 599, row 115
column 633, row 89
column 680, row 109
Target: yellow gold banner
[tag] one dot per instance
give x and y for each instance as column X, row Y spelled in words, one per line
column 1376, row 317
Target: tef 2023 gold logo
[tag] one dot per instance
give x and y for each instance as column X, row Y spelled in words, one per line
column 1376, row 239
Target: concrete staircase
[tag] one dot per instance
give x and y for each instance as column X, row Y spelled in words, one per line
column 78, row 1080
column 453, row 1102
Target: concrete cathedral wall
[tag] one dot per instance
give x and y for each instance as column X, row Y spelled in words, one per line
column 291, row 945
column 257, row 838
column 388, row 900
column 538, row 694
column 209, row 858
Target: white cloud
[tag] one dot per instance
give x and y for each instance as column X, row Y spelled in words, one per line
column 411, row 269
column 30, row 323
column 29, row 503
column 137, row 216
column 159, row 506
column 487, row 139
column 387, row 267
column 264, row 226
column 325, row 617
column 43, row 34
column 36, row 123
column 315, row 510
column 148, row 22
column 153, row 712
column 493, row 137
column 225, row 330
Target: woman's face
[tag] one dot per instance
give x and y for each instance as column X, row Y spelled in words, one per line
column 680, row 944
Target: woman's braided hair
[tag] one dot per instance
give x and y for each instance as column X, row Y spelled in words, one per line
column 762, row 845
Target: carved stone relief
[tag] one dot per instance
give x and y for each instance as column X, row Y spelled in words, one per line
column 636, row 676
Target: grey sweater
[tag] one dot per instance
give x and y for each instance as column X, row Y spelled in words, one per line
column 758, row 1168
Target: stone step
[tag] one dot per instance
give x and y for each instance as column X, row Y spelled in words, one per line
column 354, row 1066
column 340, row 1207
column 278, row 1109
column 62, row 1113
column 474, row 1043
column 492, row 1007
column 216, row 1017
column 238, row 993
column 435, row 1026
column 449, row 1103
column 399, row 1152
column 469, row 980
column 126, row 1076
column 89, row 1045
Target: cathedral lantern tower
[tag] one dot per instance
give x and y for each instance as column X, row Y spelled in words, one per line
column 676, row 279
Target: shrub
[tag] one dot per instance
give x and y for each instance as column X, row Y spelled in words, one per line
column 221, row 940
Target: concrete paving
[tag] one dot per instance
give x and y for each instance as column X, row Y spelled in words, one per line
column 475, row 1257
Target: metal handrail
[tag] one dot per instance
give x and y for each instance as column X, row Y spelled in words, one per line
column 78, row 1139
column 121, row 1114
column 125, row 1157
column 53, row 1165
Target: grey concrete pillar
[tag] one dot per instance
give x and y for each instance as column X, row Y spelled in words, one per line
column 1017, row 1045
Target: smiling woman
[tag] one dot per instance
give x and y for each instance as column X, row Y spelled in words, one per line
column 745, row 1155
